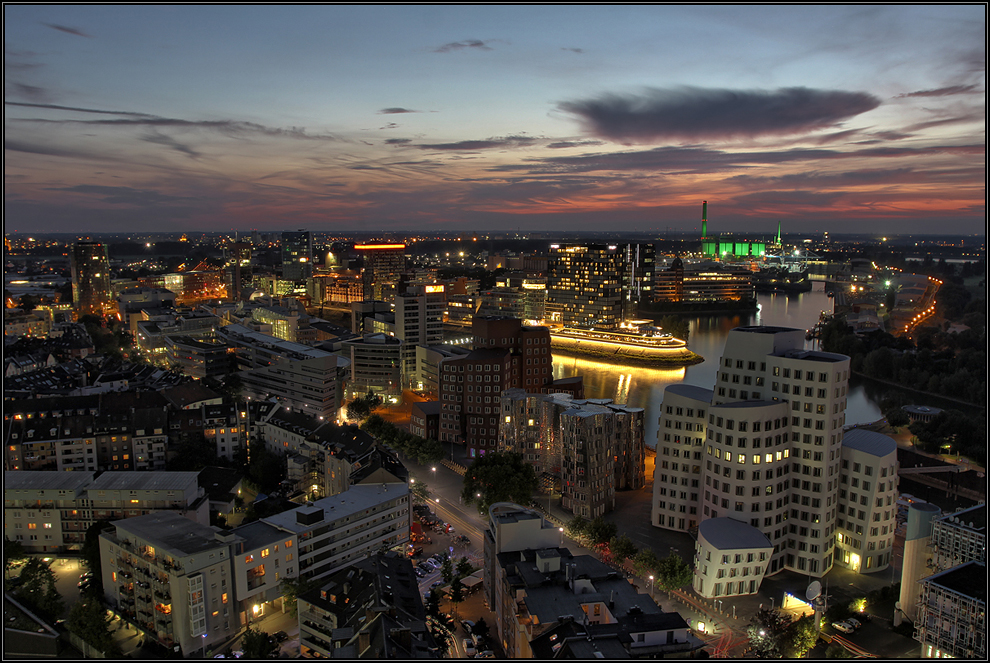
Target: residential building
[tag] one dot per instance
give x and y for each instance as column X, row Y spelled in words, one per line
column 424, row 420
column 173, row 579
column 297, row 255
column 49, row 511
column 369, row 609
column 25, row 323
column 262, row 556
column 91, row 293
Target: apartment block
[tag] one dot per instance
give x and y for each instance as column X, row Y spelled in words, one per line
column 584, row 285
column 173, row 579
column 50, row 511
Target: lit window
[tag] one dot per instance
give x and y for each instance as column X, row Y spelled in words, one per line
column 249, row 559
column 264, row 553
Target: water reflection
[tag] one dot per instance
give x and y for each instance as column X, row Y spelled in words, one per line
column 643, row 387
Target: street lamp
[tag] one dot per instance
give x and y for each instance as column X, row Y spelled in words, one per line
column 771, row 603
column 651, row 587
column 561, row 536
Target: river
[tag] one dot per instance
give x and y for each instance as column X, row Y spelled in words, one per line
column 643, row 387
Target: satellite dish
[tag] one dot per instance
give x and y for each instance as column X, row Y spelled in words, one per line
column 814, row 590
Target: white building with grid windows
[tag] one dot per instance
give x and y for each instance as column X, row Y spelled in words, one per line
column 764, row 447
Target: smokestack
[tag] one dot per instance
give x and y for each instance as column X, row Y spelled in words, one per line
column 704, row 219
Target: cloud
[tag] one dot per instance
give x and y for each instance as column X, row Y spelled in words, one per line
column 573, row 143
column 28, row 91
column 396, row 111
column 71, row 31
column 76, row 109
column 171, row 143
column 690, row 112
column 940, row 92
column 124, row 195
column 461, row 45
column 573, row 50
column 398, row 141
column 491, row 143
column 390, row 125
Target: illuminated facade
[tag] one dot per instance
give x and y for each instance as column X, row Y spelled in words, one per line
column 297, row 255
column 91, row 292
column 383, row 265
column 237, row 271
column 703, row 284
column 765, row 447
column 418, row 321
column 584, row 285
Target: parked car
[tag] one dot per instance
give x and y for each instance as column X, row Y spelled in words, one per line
column 469, row 647
column 420, row 573
column 855, row 623
column 488, row 653
column 843, row 627
column 468, row 626
column 280, row 636
column 436, row 584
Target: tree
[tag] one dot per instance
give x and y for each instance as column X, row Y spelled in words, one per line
column 89, row 620
column 420, row 491
column 91, row 554
column 765, row 631
column 456, row 592
column 292, row 588
column 358, row 409
column 464, row 567
column 577, row 527
column 37, row 589
column 645, row 562
column 799, row 637
column 447, row 570
column 500, row 476
column 673, row 573
column 622, row 547
column 13, row 552
column 258, row 644
column 481, row 628
column 601, row 531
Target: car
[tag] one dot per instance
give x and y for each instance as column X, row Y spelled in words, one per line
column 83, row 584
column 469, row 647
column 88, row 574
column 449, row 528
column 843, row 627
column 468, row 626
column 420, row 573
column 855, row 623
column 280, row 636
column 488, row 653
column 436, row 584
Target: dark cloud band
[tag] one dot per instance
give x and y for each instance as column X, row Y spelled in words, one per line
column 689, row 112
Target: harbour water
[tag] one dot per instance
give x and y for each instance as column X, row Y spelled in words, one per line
column 643, row 387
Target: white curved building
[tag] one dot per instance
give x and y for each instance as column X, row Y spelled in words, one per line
column 731, row 558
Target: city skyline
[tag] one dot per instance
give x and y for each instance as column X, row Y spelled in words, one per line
column 337, row 119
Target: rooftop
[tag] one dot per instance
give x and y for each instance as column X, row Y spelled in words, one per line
column 348, row 503
column 171, row 533
column 975, row 517
column 876, row 444
column 145, row 481
column 969, row 579
column 40, row 480
column 690, row 391
column 729, row 534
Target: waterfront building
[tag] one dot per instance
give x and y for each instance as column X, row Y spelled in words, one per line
column 173, row 578
column 639, row 264
column 770, row 453
column 703, row 283
column 383, row 265
column 391, row 622
column 90, row 266
column 584, row 285
column 428, row 358
column 952, row 621
column 297, row 255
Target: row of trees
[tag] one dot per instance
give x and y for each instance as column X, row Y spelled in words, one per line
column 772, row 634
column 422, row 449
column 499, row 476
column 669, row 573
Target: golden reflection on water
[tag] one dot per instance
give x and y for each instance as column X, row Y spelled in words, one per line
column 623, row 384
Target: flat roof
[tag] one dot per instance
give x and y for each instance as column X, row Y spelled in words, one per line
column 729, row 534
column 876, row 444
column 172, row 533
column 45, row 480
column 145, row 481
column 975, row 517
column 258, row 534
column 356, row 498
column 969, row 579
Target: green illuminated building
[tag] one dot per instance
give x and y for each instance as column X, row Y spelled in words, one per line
column 725, row 246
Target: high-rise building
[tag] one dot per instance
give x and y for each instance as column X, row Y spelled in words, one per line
column 584, row 285
column 383, row 265
column 91, row 292
column 637, row 277
column 237, row 271
column 418, row 321
column 766, row 447
column 297, row 255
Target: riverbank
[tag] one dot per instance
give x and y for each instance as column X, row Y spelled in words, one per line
column 707, row 308
column 903, row 387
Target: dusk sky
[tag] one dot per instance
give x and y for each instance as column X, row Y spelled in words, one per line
column 342, row 118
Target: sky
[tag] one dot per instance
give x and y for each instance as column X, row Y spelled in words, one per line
column 849, row 118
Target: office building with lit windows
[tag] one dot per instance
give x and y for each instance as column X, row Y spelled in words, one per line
column 952, row 618
column 90, row 265
column 297, row 255
column 383, row 265
column 765, row 448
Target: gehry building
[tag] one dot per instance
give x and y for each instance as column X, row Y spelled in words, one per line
column 766, row 448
